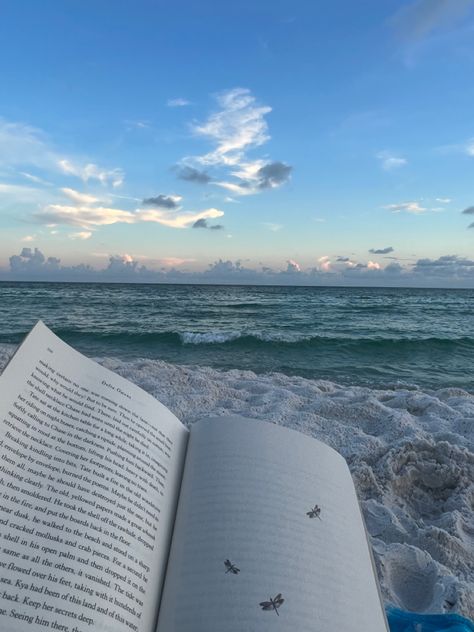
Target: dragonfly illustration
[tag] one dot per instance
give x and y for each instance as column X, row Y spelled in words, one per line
column 273, row 604
column 231, row 568
column 315, row 512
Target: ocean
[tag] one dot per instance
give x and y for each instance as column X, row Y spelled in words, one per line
column 365, row 336
column 382, row 375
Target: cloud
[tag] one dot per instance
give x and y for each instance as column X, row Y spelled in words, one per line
column 164, row 201
column 324, row 263
column 203, row 223
column 28, row 238
column 470, row 147
column 273, row 174
column 80, row 235
column 469, row 210
column 446, row 271
column 292, row 266
column 91, row 171
column 444, row 200
column 30, row 260
column 381, row 251
column 80, row 198
column 419, row 19
column 237, row 126
column 91, row 217
column 22, row 145
column 451, row 266
column 190, row 174
column 407, row 207
column 373, row 265
column 184, row 219
column 390, row 162
column 83, row 216
column 273, row 227
column 177, row 103
column 343, row 259
column 256, row 176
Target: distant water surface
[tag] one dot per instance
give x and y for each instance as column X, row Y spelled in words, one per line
column 365, row 336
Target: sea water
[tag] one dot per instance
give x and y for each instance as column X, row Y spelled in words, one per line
column 385, row 376
column 364, row 336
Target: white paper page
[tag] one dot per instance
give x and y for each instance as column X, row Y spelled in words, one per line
column 90, row 470
column 246, row 491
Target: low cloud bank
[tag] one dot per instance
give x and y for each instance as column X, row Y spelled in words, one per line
column 446, row 271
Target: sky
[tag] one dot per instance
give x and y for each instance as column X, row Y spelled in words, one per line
column 304, row 142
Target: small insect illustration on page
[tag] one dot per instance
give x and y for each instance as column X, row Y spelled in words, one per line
column 273, row 604
column 231, row 568
column 315, row 512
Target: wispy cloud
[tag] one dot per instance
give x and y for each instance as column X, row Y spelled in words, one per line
column 91, row 171
column 238, row 126
column 273, row 227
column 419, row 19
column 178, row 102
column 444, row 200
column 389, row 161
column 80, row 198
column 406, row 207
column 92, row 217
column 23, row 146
column 469, row 148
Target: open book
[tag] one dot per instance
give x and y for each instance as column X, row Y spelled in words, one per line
column 114, row 516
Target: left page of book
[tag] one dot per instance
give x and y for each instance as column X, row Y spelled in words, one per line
column 90, row 472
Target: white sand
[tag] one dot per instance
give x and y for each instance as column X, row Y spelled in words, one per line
column 411, row 453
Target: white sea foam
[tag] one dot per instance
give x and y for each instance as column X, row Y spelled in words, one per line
column 411, row 453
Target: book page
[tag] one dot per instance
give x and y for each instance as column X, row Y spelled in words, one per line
column 90, row 471
column 268, row 536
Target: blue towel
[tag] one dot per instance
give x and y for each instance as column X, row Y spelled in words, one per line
column 401, row 621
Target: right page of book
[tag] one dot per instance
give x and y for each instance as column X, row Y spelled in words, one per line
column 268, row 536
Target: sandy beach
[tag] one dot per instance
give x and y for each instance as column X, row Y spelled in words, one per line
column 410, row 453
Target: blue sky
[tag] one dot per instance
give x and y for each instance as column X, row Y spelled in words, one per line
column 296, row 142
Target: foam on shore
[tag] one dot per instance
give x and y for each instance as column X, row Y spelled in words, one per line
column 411, row 453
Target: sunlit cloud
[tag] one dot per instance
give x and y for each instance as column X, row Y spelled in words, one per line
column 324, row 263
column 373, row 265
column 406, row 207
column 92, row 217
column 84, row 234
column 80, row 198
column 28, row 238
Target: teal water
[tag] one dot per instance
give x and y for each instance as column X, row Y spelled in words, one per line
column 365, row 336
